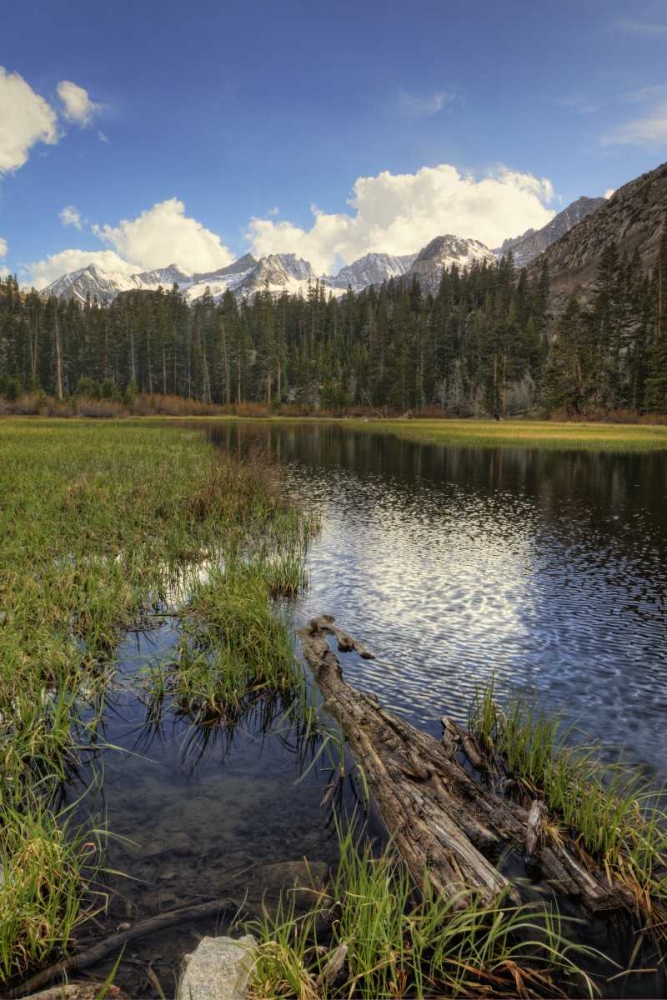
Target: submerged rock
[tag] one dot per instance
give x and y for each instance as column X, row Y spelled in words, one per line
column 218, row 969
column 88, row 990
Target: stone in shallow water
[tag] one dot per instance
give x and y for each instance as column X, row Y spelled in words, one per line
column 218, row 969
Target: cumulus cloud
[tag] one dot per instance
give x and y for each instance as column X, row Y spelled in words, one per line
column 400, row 213
column 423, row 106
column 3, row 247
column 4, row 272
column 70, row 216
column 164, row 235
column 25, row 119
column 78, row 106
column 609, row 192
column 41, row 273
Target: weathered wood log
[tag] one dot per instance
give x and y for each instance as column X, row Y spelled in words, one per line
column 441, row 820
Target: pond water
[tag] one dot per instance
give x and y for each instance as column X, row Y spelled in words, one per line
column 545, row 569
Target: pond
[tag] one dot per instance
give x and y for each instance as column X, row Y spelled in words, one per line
column 546, row 570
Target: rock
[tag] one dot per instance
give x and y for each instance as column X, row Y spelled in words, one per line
column 218, row 969
column 300, row 881
column 87, row 990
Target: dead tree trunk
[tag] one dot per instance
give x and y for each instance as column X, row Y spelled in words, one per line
column 442, row 821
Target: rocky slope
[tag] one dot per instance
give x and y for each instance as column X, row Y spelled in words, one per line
column 532, row 243
column 632, row 219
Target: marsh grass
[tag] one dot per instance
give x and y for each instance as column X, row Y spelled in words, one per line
column 400, row 944
column 611, row 810
column 97, row 520
column 48, row 872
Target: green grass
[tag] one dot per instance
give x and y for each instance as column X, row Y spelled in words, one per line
column 611, row 810
column 233, row 646
column 398, row 944
column 525, row 434
column 100, row 522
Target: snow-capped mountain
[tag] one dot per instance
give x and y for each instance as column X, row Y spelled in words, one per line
column 222, row 280
column 372, row 269
column 104, row 285
column 531, row 244
column 277, row 273
column 441, row 253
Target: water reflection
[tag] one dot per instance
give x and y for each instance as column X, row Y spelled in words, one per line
column 546, row 568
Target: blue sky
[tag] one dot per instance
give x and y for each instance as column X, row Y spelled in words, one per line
column 207, row 115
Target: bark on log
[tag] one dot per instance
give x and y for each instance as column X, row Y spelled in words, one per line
column 442, row 821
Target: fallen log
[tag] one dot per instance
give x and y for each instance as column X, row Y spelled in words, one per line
column 441, row 820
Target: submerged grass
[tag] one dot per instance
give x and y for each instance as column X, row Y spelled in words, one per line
column 371, row 936
column 612, row 811
column 97, row 522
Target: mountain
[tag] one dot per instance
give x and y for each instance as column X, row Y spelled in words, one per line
column 532, row 243
column 372, row 269
column 442, row 253
column 277, row 273
column 633, row 219
column 104, row 285
column 226, row 278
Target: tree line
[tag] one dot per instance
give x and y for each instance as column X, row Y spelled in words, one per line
column 485, row 343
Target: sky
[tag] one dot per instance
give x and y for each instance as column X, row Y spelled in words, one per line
column 137, row 134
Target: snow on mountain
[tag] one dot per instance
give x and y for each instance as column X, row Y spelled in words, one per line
column 372, row 269
column 442, row 253
column 94, row 282
column 276, row 273
column 225, row 279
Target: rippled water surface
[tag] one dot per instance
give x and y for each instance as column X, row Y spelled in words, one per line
column 545, row 568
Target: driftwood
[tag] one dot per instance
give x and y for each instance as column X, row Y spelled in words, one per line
column 99, row 951
column 440, row 818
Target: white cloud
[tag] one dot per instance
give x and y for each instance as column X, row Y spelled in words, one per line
column 25, row 119
column 102, row 137
column 41, row 273
column 400, row 213
column 423, row 106
column 274, row 211
column 78, row 106
column 4, row 272
column 3, row 247
column 609, row 192
column 164, row 235
column 649, row 129
column 648, row 29
column 70, row 216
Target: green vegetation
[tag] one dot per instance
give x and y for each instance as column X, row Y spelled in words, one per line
column 391, row 942
column 484, row 343
column 526, row 434
column 232, row 646
column 100, row 523
column 611, row 811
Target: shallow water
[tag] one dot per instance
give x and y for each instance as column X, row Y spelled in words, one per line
column 545, row 569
